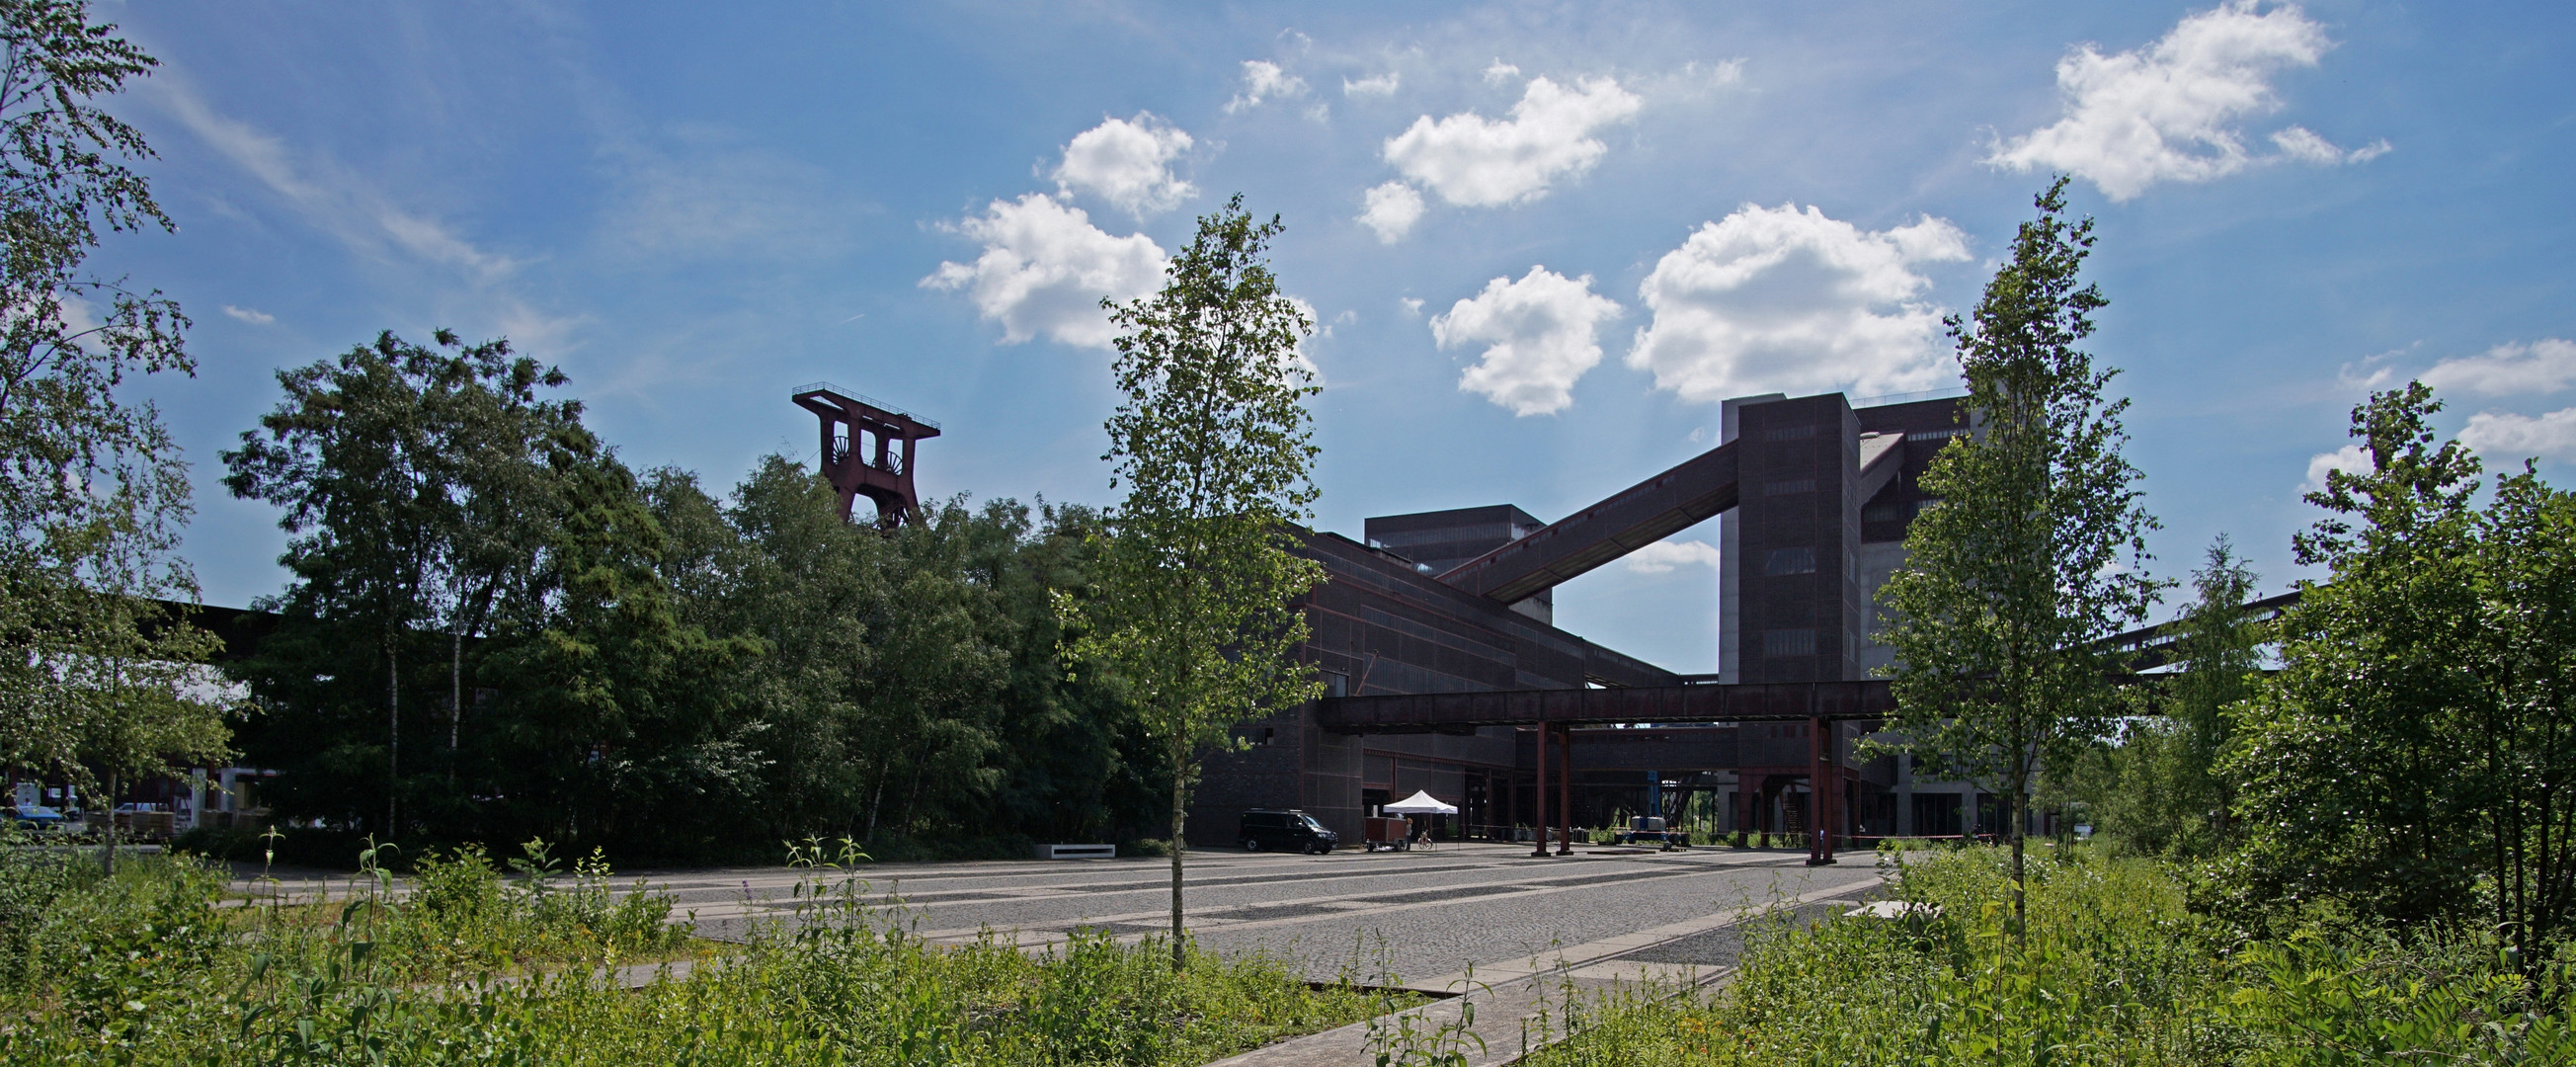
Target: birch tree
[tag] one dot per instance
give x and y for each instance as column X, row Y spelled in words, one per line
column 1191, row 605
column 2036, row 550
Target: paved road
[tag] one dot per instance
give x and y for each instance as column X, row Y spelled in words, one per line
column 1405, row 915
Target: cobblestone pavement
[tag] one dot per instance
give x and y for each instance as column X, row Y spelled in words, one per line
column 1383, row 917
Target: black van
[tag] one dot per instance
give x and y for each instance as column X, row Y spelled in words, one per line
column 1285, row 831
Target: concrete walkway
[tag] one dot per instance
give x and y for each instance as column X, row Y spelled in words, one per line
column 1520, row 1007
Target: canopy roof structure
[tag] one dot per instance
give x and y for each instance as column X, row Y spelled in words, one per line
column 1420, row 803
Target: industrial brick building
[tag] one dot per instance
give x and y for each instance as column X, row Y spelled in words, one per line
column 1813, row 495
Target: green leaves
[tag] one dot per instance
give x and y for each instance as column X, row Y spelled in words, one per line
column 2416, row 757
column 93, row 491
column 2036, row 551
column 1191, row 600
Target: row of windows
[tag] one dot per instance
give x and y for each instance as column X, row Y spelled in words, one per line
column 1788, row 642
column 1802, row 485
column 1892, row 510
column 1779, row 561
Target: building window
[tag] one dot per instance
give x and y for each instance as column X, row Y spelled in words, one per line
column 1935, row 435
column 1789, row 433
column 1779, row 561
column 1788, row 642
column 1336, row 684
column 1802, row 485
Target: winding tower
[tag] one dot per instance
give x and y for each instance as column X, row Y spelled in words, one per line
column 860, row 454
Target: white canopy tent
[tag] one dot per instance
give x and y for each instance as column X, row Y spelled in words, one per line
column 1420, row 803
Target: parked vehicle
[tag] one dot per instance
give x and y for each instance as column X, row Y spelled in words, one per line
column 1285, row 831
column 1646, row 828
column 40, row 818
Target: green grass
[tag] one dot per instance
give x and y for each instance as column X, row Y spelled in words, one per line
column 2114, row 970
column 156, row 966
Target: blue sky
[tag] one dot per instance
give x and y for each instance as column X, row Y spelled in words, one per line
column 1542, row 240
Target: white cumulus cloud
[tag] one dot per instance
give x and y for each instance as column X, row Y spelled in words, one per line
column 2350, row 459
column 2543, row 366
column 1378, row 85
column 1539, row 335
column 1128, row 163
column 1391, row 210
column 252, row 316
column 1501, row 72
column 1665, row 557
column 2504, row 437
column 1787, row 299
column 1045, row 269
column 1264, row 80
column 1474, row 161
column 2169, row 111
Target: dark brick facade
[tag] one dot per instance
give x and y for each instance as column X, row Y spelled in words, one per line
column 1803, row 555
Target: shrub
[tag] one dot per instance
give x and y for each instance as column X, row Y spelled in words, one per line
column 2113, row 969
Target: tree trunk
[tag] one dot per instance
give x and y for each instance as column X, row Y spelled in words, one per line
column 2020, row 816
column 455, row 697
column 1179, row 845
column 393, row 731
column 107, row 843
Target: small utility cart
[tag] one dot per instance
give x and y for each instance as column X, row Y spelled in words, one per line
column 1381, row 833
column 1399, row 830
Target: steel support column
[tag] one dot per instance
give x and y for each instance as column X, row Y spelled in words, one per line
column 1538, row 800
column 1565, row 792
column 1824, row 786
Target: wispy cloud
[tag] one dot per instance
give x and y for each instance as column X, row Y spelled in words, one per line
column 2543, row 366
column 1264, row 80
column 1376, row 85
column 328, row 195
column 253, row 317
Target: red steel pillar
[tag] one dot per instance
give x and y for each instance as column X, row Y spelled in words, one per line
column 1538, row 800
column 1748, row 800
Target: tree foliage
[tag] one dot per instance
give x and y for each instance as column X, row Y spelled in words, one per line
column 1190, row 603
column 93, row 491
column 643, row 665
column 2415, row 757
column 2160, row 790
column 421, row 488
column 2034, row 552
column 2351, row 759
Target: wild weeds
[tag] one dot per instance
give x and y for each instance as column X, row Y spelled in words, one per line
column 2114, row 969
column 462, row 964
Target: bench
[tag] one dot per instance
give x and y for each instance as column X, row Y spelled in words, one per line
column 1077, row 852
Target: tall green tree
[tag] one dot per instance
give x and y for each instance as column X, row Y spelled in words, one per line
column 1190, row 603
column 2035, row 551
column 419, row 485
column 2352, row 755
column 2525, row 725
column 93, row 491
column 2416, row 755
